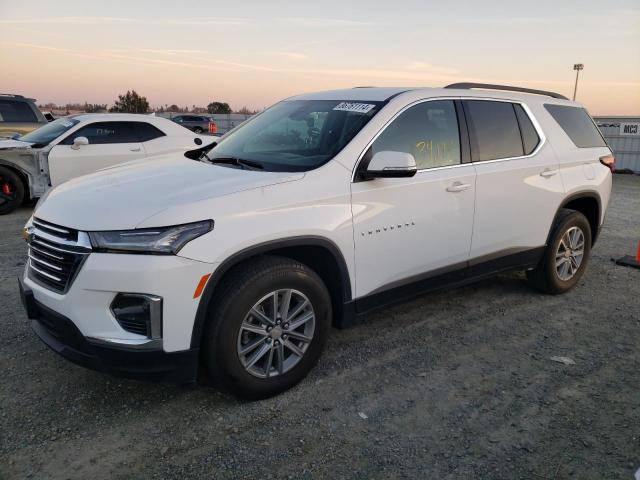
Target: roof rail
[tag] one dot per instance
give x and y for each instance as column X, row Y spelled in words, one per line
column 489, row 86
column 11, row 95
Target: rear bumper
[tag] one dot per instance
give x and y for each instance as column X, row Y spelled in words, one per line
column 63, row 337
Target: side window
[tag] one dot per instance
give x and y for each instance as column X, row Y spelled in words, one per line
column 428, row 131
column 494, row 129
column 530, row 138
column 16, row 112
column 577, row 124
column 104, row 132
column 146, row 131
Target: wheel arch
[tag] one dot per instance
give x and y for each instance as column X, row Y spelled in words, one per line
column 589, row 204
column 318, row 253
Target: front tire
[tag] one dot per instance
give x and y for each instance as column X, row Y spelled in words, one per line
column 566, row 256
column 267, row 328
column 11, row 191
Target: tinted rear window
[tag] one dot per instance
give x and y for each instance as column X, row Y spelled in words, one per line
column 494, row 129
column 530, row 138
column 146, row 131
column 16, row 112
column 577, row 124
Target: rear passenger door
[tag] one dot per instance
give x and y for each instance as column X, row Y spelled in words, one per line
column 110, row 143
column 518, row 186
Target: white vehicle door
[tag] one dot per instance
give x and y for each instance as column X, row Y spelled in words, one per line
column 110, row 143
column 518, row 186
column 413, row 229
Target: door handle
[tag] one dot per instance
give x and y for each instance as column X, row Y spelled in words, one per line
column 458, row 187
column 548, row 173
column 137, row 149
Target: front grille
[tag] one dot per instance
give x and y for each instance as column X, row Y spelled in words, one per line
column 55, row 254
column 55, row 230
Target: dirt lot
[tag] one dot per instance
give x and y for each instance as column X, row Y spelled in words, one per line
column 456, row 384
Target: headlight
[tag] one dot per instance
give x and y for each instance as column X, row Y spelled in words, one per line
column 162, row 240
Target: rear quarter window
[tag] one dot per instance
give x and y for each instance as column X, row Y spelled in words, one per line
column 16, row 112
column 146, row 131
column 578, row 125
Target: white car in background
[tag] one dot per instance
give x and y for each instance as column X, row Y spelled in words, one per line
column 73, row 146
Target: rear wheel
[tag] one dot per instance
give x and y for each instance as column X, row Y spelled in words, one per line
column 198, row 130
column 267, row 328
column 11, row 191
column 566, row 256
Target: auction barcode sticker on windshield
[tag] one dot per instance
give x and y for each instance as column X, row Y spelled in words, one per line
column 354, row 107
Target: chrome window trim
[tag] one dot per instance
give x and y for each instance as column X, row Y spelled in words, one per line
column 527, row 110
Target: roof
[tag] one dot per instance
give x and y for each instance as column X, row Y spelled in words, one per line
column 114, row 117
column 374, row 94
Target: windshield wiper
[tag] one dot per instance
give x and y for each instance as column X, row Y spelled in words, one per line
column 250, row 164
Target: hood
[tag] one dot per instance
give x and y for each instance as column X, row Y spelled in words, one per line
column 122, row 197
column 12, row 144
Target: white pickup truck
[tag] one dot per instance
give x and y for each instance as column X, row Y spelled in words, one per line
column 72, row 146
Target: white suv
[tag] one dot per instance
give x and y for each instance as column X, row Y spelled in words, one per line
column 314, row 212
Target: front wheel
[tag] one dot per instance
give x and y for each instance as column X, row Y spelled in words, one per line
column 267, row 328
column 566, row 256
column 11, row 191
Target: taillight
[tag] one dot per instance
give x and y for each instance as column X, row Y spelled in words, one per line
column 609, row 161
column 213, row 128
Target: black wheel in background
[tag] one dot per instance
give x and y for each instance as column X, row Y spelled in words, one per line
column 11, row 191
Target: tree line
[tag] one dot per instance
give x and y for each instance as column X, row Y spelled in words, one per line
column 132, row 102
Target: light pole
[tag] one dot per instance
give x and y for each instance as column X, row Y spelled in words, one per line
column 577, row 67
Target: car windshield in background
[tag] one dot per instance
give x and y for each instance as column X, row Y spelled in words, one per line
column 296, row 135
column 49, row 132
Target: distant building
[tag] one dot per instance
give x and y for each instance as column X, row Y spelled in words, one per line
column 623, row 136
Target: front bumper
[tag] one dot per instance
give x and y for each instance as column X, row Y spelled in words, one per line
column 61, row 335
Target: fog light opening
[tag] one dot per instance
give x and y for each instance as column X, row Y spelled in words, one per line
column 139, row 313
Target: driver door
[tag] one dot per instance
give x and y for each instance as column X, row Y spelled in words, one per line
column 110, row 143
column 407, row 230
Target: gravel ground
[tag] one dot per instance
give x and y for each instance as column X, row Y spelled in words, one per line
column 452, row 385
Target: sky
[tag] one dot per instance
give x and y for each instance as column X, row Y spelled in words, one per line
column 253, row 53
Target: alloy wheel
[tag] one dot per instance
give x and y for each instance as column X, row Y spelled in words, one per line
column 570, row 253
column 276, row 333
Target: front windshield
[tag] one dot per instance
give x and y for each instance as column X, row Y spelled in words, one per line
column 296, row 135
column 49, row 132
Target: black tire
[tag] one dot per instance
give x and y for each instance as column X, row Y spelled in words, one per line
column 11, row 190
column 545, row 276
column 198, row 130
column 241, row 290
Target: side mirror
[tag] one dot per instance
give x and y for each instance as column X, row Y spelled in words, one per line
column 391, row 165
column 79, row 141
